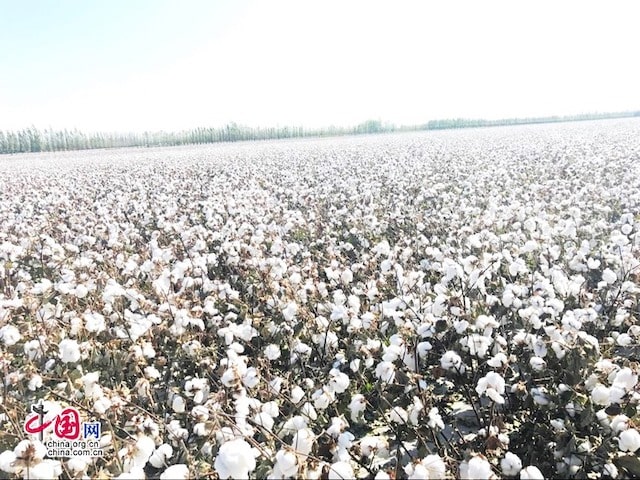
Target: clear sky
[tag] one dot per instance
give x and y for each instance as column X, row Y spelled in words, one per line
column 157, row 64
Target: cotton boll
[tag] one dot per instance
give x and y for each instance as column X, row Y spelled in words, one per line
column 44, row 470
column 340, row 471
column 435, row 419
column 398, row 415
column 236, row 459
column 346, row 276
column 69, row 351
column 160, row 456
column 10, row 335
column 357, row 407
column 609, row 276
column 600, row 395
column 385, row 371
column 537, row 363
column 531, row 473
column 297, row 394
column 493, row 386
column 626, row 379
column 610, row 470
column 302, row 441
column 339, row 382
column 289, row 313
column 176, row 472
column 272, row 352
column 8, row 462
column 476, row 468
column 178, row 404
column 452, row 361
column 510, row 464
column 629, row 440
column 286, row 463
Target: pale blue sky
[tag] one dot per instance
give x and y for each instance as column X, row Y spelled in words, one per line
column 160, row 64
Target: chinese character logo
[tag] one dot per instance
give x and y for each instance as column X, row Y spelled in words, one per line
column 66, row 424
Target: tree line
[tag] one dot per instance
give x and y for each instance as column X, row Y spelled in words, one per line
column 33, row 139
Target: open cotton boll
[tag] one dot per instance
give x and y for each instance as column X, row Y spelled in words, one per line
column 451, row 361
column 176, row 472
column 629, row 440
column 493, row 386
column 10, row 335
column 531, row 473
column 235, row 459
column 609, row 276
column 286, row 464
column 289, row 312
column 476, row 468
column 69, row 351
column 340, row 471
column 272, row 352
column 160, row 456
column 600, row 395
column 510, row 464
column 302, row 441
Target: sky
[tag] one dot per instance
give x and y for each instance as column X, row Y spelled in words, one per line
column 135, row 65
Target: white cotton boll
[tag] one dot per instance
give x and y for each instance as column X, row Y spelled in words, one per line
column 264, row 420
column 398, row 415
column 176, row 472
column 629, row 440
column 81, row 291
column 498, row 360
column 385, row 372
column 432, row 466
column 297, row 394
column 289, row 312
column 593, row 264
column 76, row 465
column 94, row 322
column 610, row 470
column 609, row 276
column 35, row 382
column 476, row 468
column 28, row 448
column 69, row 351
column 537, row 363
column 493, row 386
column 178, row 404
column 272, row 352
column 286, row 463
column 511, row 464
column 160, row 456
column 625, row 378
column 10, row 335
column 302, row 441
column 339, row 382
column 347, row 276
column 624, row 340
column 44, row 470
column 340, row 471
column 308, row 411
column 357, row 407
column 600, row 395
column 236, row 459
column 531, row 473
column 540, row 397
column 435, row 419
column 451, row 361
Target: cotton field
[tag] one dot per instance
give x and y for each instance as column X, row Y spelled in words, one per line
column 455, row 304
